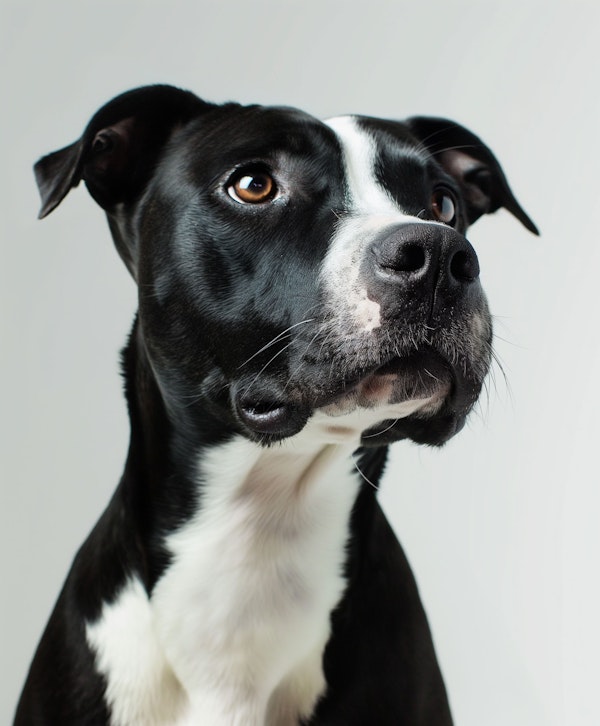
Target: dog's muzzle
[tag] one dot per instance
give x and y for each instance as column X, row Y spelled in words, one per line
column 425, row 279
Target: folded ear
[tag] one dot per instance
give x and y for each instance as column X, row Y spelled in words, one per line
column 465, row 157
column 118, row 149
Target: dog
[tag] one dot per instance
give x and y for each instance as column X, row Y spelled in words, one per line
column 307, row 296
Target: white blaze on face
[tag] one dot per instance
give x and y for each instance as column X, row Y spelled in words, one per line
column 365, row 195
column 370, row 210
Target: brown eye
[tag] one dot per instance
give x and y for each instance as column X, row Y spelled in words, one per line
column 252, row 187
column 443, row 206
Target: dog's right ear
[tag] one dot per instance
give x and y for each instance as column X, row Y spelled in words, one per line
column 119, row 148
column 472, row 164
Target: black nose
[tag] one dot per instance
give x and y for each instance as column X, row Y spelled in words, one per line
column 428, row 256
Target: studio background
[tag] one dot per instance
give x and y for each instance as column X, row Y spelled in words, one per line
column 501, row 525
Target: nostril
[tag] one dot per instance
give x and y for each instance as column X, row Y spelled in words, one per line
column 409, row 257
column 412, row 258
column 464, row 266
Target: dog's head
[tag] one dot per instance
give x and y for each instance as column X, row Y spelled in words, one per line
column 293, row 270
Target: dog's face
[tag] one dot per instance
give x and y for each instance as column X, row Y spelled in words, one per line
column 291, row 270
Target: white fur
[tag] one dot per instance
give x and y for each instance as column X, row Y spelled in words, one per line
column 234, row 632
column 365, row 195
column 141, row 687
column 367, row 312
column 255, row 576
column 370, row 210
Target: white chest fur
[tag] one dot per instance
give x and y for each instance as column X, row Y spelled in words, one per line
column 235, row 630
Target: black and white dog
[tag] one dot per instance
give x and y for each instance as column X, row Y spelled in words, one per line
column 306, row 297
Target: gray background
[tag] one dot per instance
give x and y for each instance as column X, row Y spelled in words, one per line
column 501, row 524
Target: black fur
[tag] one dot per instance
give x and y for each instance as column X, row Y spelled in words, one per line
column 217, row 281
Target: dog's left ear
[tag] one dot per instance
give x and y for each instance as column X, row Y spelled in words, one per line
column 118, row 149
column 466, row 158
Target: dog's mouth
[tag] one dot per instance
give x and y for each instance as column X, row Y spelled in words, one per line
column 402, row 382
column 400, row 387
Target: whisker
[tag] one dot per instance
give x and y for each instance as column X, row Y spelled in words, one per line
column 299, row 367
column 509, row 342
column 439, row 131
column 498, row 362
column 262, row 370
column 379, row 433
column 339, row 214
column 365, row 477
column 435, row 378
column 278, row 337
column 325, row 339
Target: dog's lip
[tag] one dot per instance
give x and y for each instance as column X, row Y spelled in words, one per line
column 266, row 414
column 271, row 417
column 368, row 382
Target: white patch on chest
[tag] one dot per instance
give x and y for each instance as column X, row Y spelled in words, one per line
column 141, row 687
column 235, row 629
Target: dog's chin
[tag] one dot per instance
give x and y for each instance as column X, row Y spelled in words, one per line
column 413, row 397
column 380, row 409
column 402, row 385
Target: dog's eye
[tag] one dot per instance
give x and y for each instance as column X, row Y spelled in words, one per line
column 252, row 187
column 443, row 206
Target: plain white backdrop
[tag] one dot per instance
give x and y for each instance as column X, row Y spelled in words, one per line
column 501, row 525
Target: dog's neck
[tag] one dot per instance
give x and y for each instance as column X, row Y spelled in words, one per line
column 255, row 539
column 162, row 468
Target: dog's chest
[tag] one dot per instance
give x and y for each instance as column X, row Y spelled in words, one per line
column 242, row 614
